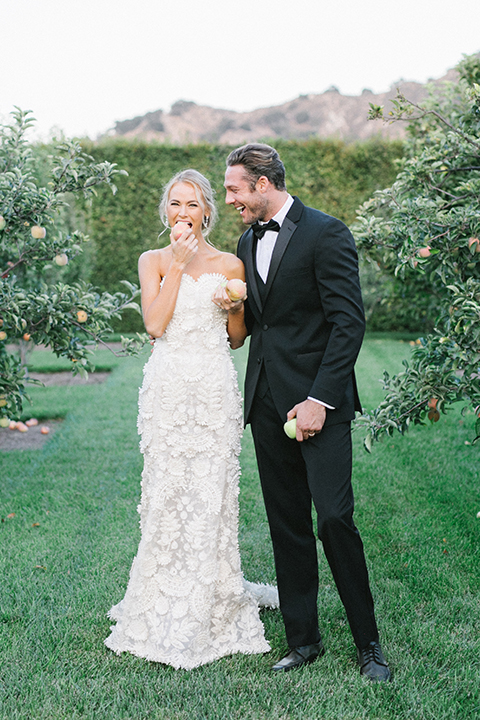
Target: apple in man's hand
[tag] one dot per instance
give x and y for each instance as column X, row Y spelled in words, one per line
column 290, row 428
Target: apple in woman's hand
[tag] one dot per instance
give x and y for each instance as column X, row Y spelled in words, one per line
column 290, row 428
column 179, row 228
column 236, row 289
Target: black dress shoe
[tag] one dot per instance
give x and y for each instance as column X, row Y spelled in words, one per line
column 372, row 663
column 300, row 656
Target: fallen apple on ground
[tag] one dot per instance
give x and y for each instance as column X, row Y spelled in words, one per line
column 236, row 289
column 290, row 428
column 44, row 429
column 32, row 422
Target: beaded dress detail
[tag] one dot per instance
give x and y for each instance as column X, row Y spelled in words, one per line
column 187, row 602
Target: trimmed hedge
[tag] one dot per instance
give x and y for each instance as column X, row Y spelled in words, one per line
column 330, row 175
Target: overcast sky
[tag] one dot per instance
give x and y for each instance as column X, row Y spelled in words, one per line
column 80, row 65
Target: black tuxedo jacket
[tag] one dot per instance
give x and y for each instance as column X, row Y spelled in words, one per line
column 308, row 331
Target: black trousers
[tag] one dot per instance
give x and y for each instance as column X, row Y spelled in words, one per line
column 292, row 475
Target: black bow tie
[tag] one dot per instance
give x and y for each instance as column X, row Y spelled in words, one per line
column 260, row 230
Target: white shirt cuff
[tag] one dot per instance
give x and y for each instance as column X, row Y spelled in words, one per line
column 321, row 403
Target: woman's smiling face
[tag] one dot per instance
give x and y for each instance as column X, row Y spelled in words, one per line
column 184, row 206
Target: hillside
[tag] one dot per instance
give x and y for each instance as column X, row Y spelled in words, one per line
column 329, row 114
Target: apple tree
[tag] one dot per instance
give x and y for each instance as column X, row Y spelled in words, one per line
column 427, row 224
column 36, row 306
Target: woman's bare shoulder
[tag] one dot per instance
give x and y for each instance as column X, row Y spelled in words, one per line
column 154, row 259
column 232, row 266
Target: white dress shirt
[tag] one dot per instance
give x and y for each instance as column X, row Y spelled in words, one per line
column 265, row 247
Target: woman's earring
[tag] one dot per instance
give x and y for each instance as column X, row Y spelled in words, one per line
column 206, row 220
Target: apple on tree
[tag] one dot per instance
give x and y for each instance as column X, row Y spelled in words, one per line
column 38, row 232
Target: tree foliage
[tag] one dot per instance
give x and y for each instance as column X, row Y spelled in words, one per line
column 427, row 224
column 36, row 304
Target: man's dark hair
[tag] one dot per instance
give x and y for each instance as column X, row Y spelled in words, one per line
column 259, row 160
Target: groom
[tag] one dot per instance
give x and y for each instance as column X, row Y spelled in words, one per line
column 305, row 317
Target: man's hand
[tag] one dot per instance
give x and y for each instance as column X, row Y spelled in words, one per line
column 310, row 418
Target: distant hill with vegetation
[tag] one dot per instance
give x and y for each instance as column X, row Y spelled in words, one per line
column 326, row 115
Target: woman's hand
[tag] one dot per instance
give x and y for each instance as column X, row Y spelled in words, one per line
column 221, row 298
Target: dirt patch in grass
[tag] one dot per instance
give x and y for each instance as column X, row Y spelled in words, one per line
column 66, row 378
column 33, row 439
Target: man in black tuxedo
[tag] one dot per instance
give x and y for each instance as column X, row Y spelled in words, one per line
column 305, row 316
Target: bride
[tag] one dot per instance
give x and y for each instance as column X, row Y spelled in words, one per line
column 186, row 602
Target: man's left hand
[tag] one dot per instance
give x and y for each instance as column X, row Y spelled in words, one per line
column 310, row 418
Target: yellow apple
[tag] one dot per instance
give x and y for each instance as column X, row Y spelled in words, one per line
column 3, row 334
column 290, row 428
column 2, row 222
column 38, row 232
column 61, row 259
column 4, row 422
column 3, row 401
column 82, row 316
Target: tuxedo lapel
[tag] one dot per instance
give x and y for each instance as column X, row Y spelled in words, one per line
column 286, row 232
column 252, row 287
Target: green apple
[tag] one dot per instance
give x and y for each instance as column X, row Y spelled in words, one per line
column 290, row 428
column 4, row 422
column 3, row 222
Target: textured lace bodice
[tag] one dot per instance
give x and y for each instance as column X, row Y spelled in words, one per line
column 187, row 602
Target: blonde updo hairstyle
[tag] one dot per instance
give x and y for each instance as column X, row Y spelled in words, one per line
column 204, row 193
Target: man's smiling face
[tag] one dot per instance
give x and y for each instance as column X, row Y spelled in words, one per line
column 251, row 204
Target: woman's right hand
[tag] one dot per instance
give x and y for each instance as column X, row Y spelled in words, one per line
column 184, row 249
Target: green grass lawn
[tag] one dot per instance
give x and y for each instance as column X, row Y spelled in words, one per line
column 66, row 554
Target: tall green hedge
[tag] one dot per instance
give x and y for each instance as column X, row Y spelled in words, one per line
column 331, row 175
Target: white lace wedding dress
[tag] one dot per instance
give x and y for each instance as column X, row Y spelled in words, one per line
column 187, row 602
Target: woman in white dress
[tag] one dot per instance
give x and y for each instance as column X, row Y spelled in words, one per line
column 187, row 602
